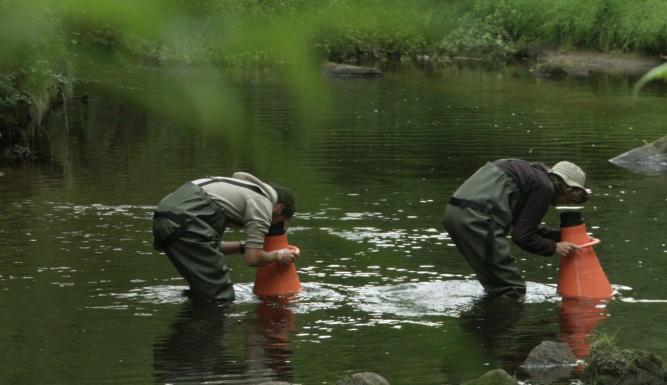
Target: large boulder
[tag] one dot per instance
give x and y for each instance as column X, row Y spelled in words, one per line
column 365, row 378
column 650, row 158
column 349, row 71
column 494, row 377
column 612, row 365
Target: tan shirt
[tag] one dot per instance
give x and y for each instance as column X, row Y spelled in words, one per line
column 244, row 206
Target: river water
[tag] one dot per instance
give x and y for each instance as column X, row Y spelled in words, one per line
column 85, row 299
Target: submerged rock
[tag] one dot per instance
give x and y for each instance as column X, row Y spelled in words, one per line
column 350, row 71
column 494, row 377
column 613, row 365
column 650, row 158
column 365, row 378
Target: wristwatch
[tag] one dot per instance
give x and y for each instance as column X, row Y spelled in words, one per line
column 241, row 247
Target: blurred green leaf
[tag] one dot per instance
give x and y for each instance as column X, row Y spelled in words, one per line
column 657, row 73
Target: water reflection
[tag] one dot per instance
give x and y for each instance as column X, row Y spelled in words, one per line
column 579, row 318
column 204, row 345
column 493, row 321
column 507, row 330
column 268, row 344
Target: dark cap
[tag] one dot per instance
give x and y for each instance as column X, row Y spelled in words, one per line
column 287, row 197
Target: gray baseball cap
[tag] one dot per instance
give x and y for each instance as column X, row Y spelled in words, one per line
column 572, row 174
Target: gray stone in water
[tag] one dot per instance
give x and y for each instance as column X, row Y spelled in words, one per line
column 650, row 158
column 494, row 377
column 612, row 365
column 350, row 71
column 549, row 70
column 550, row 361
column 550, row 353
column 365, row 378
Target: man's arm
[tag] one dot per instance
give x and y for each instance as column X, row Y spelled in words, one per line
column 256, row 257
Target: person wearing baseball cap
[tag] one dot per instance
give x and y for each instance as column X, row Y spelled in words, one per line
column 189, row 224
column 511, row 196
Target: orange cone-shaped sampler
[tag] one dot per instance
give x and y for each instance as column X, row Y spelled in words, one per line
column 580, row 274
column 275, row 279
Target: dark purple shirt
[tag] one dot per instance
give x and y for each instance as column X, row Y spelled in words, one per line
column 537, row 192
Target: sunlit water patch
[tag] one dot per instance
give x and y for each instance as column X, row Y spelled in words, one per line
column 406, row 240
column 442, row 298
column 409, row 301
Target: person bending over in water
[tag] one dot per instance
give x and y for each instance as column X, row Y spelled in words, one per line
column 189, row 223
column 504, row 195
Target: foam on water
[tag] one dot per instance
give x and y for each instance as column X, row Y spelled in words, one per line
column 414, row 300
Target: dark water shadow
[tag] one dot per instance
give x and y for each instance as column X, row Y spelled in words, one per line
column 209, row 343
column 505, row 331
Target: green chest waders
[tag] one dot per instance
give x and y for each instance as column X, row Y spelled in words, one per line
column 188, row 226
column 478, row 220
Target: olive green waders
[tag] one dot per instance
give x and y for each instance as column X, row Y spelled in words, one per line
column 478, row 219
column 188, row 227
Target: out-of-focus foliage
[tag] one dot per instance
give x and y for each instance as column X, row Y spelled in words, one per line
column 658, row 73
column 45, row 44
column 606, row 25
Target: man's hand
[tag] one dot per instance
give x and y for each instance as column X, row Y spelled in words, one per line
column 258, row 257
column 287, row 256
column 565, row 248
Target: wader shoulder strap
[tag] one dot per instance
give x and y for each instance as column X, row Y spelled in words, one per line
column 491, row 223
column 235, row 182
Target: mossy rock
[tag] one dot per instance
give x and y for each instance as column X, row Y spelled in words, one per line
column 610, row 364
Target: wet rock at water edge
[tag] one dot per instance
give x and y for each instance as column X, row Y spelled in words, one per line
column 550, row 353
column 494, row 377
column 650, row 158
column 350, row 71
column 612, row 365
column 550, row 361
column 365, row 378
column 548, row 70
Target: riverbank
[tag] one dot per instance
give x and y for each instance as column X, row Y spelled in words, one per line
column 584, row 63
column 573, row 38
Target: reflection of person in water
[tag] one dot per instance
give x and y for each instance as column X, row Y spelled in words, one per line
column 503, row 330
column 269, row 338
column 204, row 345
column 196, row 349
